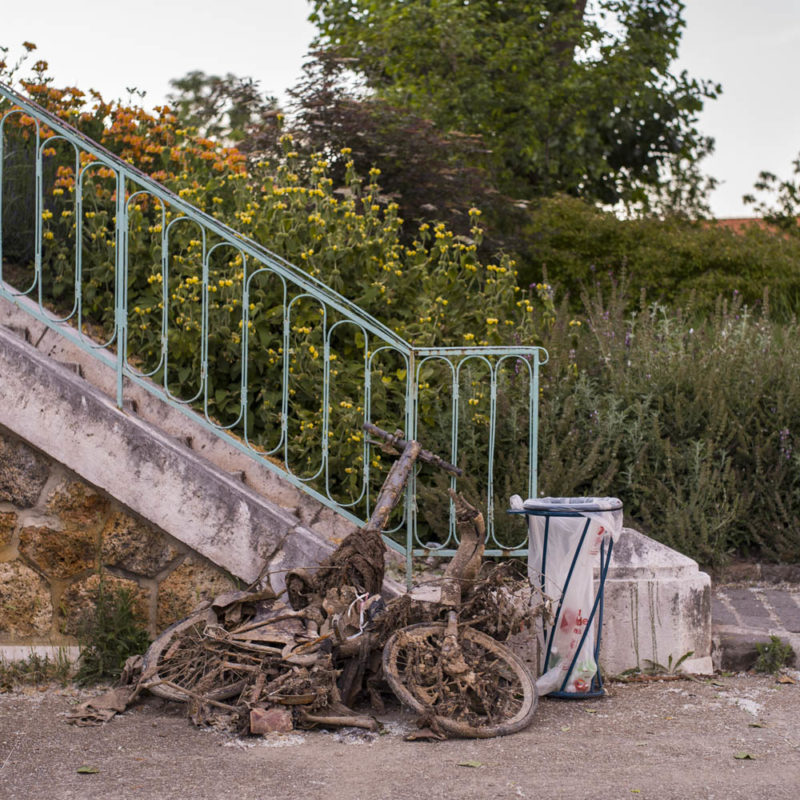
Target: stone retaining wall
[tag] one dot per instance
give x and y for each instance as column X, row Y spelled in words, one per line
column 59, row 535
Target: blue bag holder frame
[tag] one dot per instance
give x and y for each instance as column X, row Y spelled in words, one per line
column 564, row 510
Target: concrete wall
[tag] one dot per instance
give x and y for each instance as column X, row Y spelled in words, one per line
column 657, row 608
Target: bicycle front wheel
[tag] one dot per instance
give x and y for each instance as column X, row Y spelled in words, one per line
column 488, row 691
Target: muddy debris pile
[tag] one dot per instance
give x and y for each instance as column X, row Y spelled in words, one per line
column 330, row 646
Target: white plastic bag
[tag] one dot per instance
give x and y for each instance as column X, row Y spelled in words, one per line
column 604, row 517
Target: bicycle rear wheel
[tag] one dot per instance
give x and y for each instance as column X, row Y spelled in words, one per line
column 178, row 660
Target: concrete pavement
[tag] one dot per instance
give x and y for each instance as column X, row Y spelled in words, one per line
column 747, row 609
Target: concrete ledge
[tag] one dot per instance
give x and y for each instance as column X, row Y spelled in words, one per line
column 17, row 317
column 750, row 572
column 21, row 652
column 166, row 483
column 735, row 648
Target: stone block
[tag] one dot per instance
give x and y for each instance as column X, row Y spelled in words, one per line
column 186, row 587
column 26, row 608
column 79, row 600
column 738, row 651
column 657, row 605
column 8, row 521
column 270, row 720
column 656, row 608
column 59, row 554
column 23, row 472
column 77, row 505
column 135, row 546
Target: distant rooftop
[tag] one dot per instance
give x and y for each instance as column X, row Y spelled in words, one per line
column 742, row 224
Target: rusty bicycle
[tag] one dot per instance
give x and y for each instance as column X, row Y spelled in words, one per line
column 334, row 638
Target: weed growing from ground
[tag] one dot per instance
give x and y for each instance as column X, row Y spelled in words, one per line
column 112, row 633
column 35, row 670
column 773, row 656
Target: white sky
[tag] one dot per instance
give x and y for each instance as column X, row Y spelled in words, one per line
column 144, row 43
column 749, row 46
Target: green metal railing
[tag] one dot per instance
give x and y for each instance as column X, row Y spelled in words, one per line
column 498, row 368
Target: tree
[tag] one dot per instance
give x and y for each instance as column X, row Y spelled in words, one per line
column 428, row 172
column 781, row 207
column 226, row 108
column 567, row 100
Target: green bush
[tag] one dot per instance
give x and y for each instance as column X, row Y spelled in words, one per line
column 677, row 261
column 690, row 420
column 773, row 656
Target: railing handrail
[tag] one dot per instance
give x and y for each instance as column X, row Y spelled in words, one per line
column 228, row 234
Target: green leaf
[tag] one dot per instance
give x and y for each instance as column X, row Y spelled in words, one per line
column 743, row 756
column 88, row 770
column 470, row 764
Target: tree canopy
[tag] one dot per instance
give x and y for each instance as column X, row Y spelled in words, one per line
column 429, row 172
column 778, row 201
column 569, row 99
column 228, row 108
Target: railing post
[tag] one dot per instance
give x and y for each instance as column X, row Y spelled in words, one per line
column 121, row 283
column 39, row 210
column 204, row 306
column 533, row 428
column 455, row 376
column 412, row 394
column 490, row 533
column 326, row 397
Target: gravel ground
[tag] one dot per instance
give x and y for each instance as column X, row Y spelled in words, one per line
column 676, row 739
